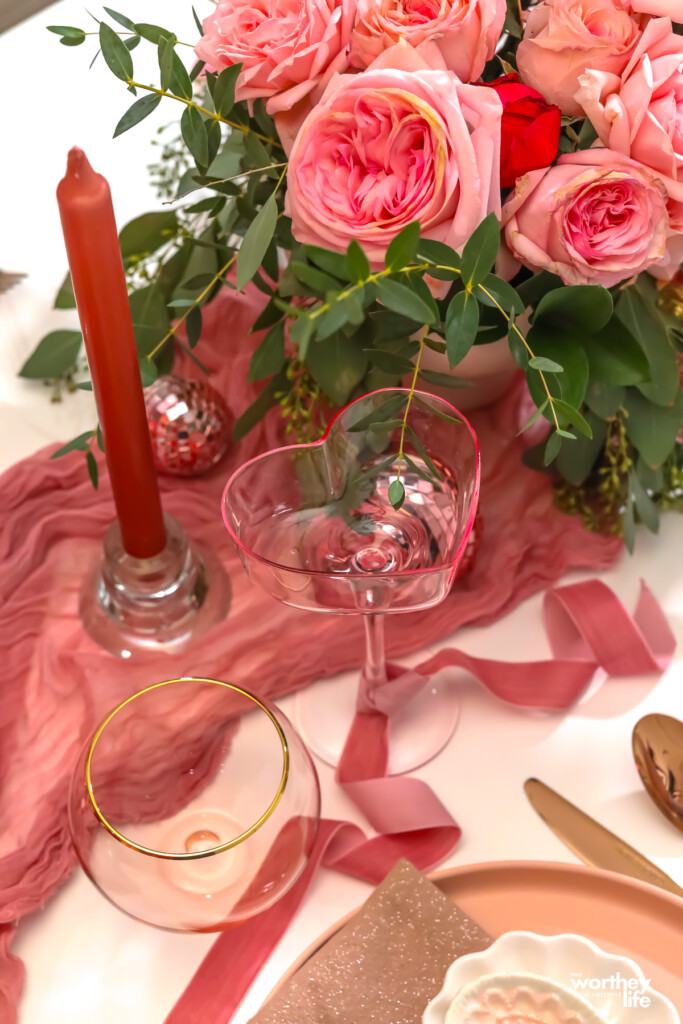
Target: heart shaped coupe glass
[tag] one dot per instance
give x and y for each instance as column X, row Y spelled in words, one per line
column 194, row 805
column 316, row 529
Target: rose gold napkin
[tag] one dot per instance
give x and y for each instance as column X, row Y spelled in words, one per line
column 386, row 964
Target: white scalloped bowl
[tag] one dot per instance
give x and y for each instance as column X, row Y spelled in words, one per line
column 522, row 959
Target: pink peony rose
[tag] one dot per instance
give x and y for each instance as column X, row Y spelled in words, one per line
column 465, row 31
column 595, row 218
column 397, row 143
column 564, row 37
column 289, row 49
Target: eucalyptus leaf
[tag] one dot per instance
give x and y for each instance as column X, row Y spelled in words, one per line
column 443, row 380
column 65, row 296
column 258, row 409
column 357, row 262
column 402, row 249
column 316, row 279
column 147, row 233
column 390, row 362
column 517, row 347
column 193, row 326
column 255, row 242
column 605, row 400
column 644, row 505
column 55, row 354
column 552, row 448
column 269, row 357
column 200, row 27
column 423, row 453
column 386, row 410
column 653, row 428
column 165, row 54
column 116, row 55
column 152, row 33
column 573, row 416
column 78, row 444
column 194, row 133
column 568, row 352
column 338, row 365
column 137, row 112
column 462, row 321
column 480, row 251
column 68, row 32
column 576, row 461
column 646, row 325
column 587, row 307
column 503, row 293
column 93, row 471
column 121, row 19
column 224, row 92
column 148, row 371
column 615, row 356
column 439, row 253
column 396, row 494
column 403, row 300
column 332, row 262
column 180, row 82
column 545, row 365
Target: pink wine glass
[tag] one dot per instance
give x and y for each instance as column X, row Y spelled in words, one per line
column 315, row 528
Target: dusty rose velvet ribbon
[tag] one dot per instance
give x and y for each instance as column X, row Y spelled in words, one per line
column 587, row 627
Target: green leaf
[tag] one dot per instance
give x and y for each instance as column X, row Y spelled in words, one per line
column 480, row 251
column 301, row 332
column 403, row 300
column 605, row 399
column 396, row 494
column 568, row 352
column 651, row 479
column 338, row 365
column 423, row 453
column 269, row 357
column 93, row 471
column 552, row 448
column 645, row 506
column 653, row 428
column 258, row 409
column 584, row 306
column 332, row 319
column 436, row 410
column 166, row 51
column 214, row 137
column 148, row 371
column 79, row 444
column 69, row 41
column 121, row 19
column 197, row 69
column 614, row 355
column 181, row 83
column 77, row 35
column 402, row 249
column 435, row 344
column 65, row 296
column 85, row 385
column 150, row 317
column 642, row 319
column 200, row 27
column 390, row 362
column 357, row 262
column 255, row 242
column 193, row 130
column 386, row 410
column 462, row 321
column 193, row 326
column 504, row 294
column 443, row 380
column 100, row 439
column 332, row 262
column 153, row 33
column 316, row 279
column 545, row 365
column 138, row 112
column 587, row 135
column 421, row 288
column 224, row 95
column 439, row 253
column 536, row 415
column 129, row 43
column 575, row 461
column 55, row 354
column 116, row 55
column 145, row 234
column 573, row 416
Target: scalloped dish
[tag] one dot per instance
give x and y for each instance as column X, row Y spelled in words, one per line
column 524, row 978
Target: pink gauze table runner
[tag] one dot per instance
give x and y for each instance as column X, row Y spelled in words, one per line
column 56, row 683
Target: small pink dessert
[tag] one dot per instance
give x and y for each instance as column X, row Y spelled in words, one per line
column 520, row 1005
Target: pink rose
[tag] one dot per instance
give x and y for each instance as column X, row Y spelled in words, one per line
column 465, row 31
column 398, row 143
column 289, row 49
column 595, row 218
column 564, row 37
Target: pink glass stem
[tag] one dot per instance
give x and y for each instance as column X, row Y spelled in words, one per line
column 375, row 668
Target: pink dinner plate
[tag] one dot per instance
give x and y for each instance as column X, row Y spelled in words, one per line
column 622, row 916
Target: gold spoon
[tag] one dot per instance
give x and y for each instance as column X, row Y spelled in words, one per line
column 658, row 751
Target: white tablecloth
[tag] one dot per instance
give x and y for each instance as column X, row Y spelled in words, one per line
column 85, row 960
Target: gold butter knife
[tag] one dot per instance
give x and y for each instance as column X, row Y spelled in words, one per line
column 592, row 842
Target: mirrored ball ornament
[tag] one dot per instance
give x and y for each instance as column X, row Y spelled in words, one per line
column 189, row 423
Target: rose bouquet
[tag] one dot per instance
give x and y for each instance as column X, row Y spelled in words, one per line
column 402, row 174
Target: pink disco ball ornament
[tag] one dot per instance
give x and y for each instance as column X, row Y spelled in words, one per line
column 190, row 425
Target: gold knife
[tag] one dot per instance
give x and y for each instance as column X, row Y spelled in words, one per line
column 591, row 842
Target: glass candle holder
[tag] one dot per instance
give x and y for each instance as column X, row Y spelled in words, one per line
column 194, row 805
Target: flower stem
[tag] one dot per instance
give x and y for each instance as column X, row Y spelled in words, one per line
column 217, row 277
column 203, row 110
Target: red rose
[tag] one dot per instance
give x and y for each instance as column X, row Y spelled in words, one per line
column 530, row 130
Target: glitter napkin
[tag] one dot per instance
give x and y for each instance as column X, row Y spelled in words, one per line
column 386, row 964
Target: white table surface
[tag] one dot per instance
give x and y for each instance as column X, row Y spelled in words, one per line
column 85, row 960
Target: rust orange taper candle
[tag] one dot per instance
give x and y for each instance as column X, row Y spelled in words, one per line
column 99, row 284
